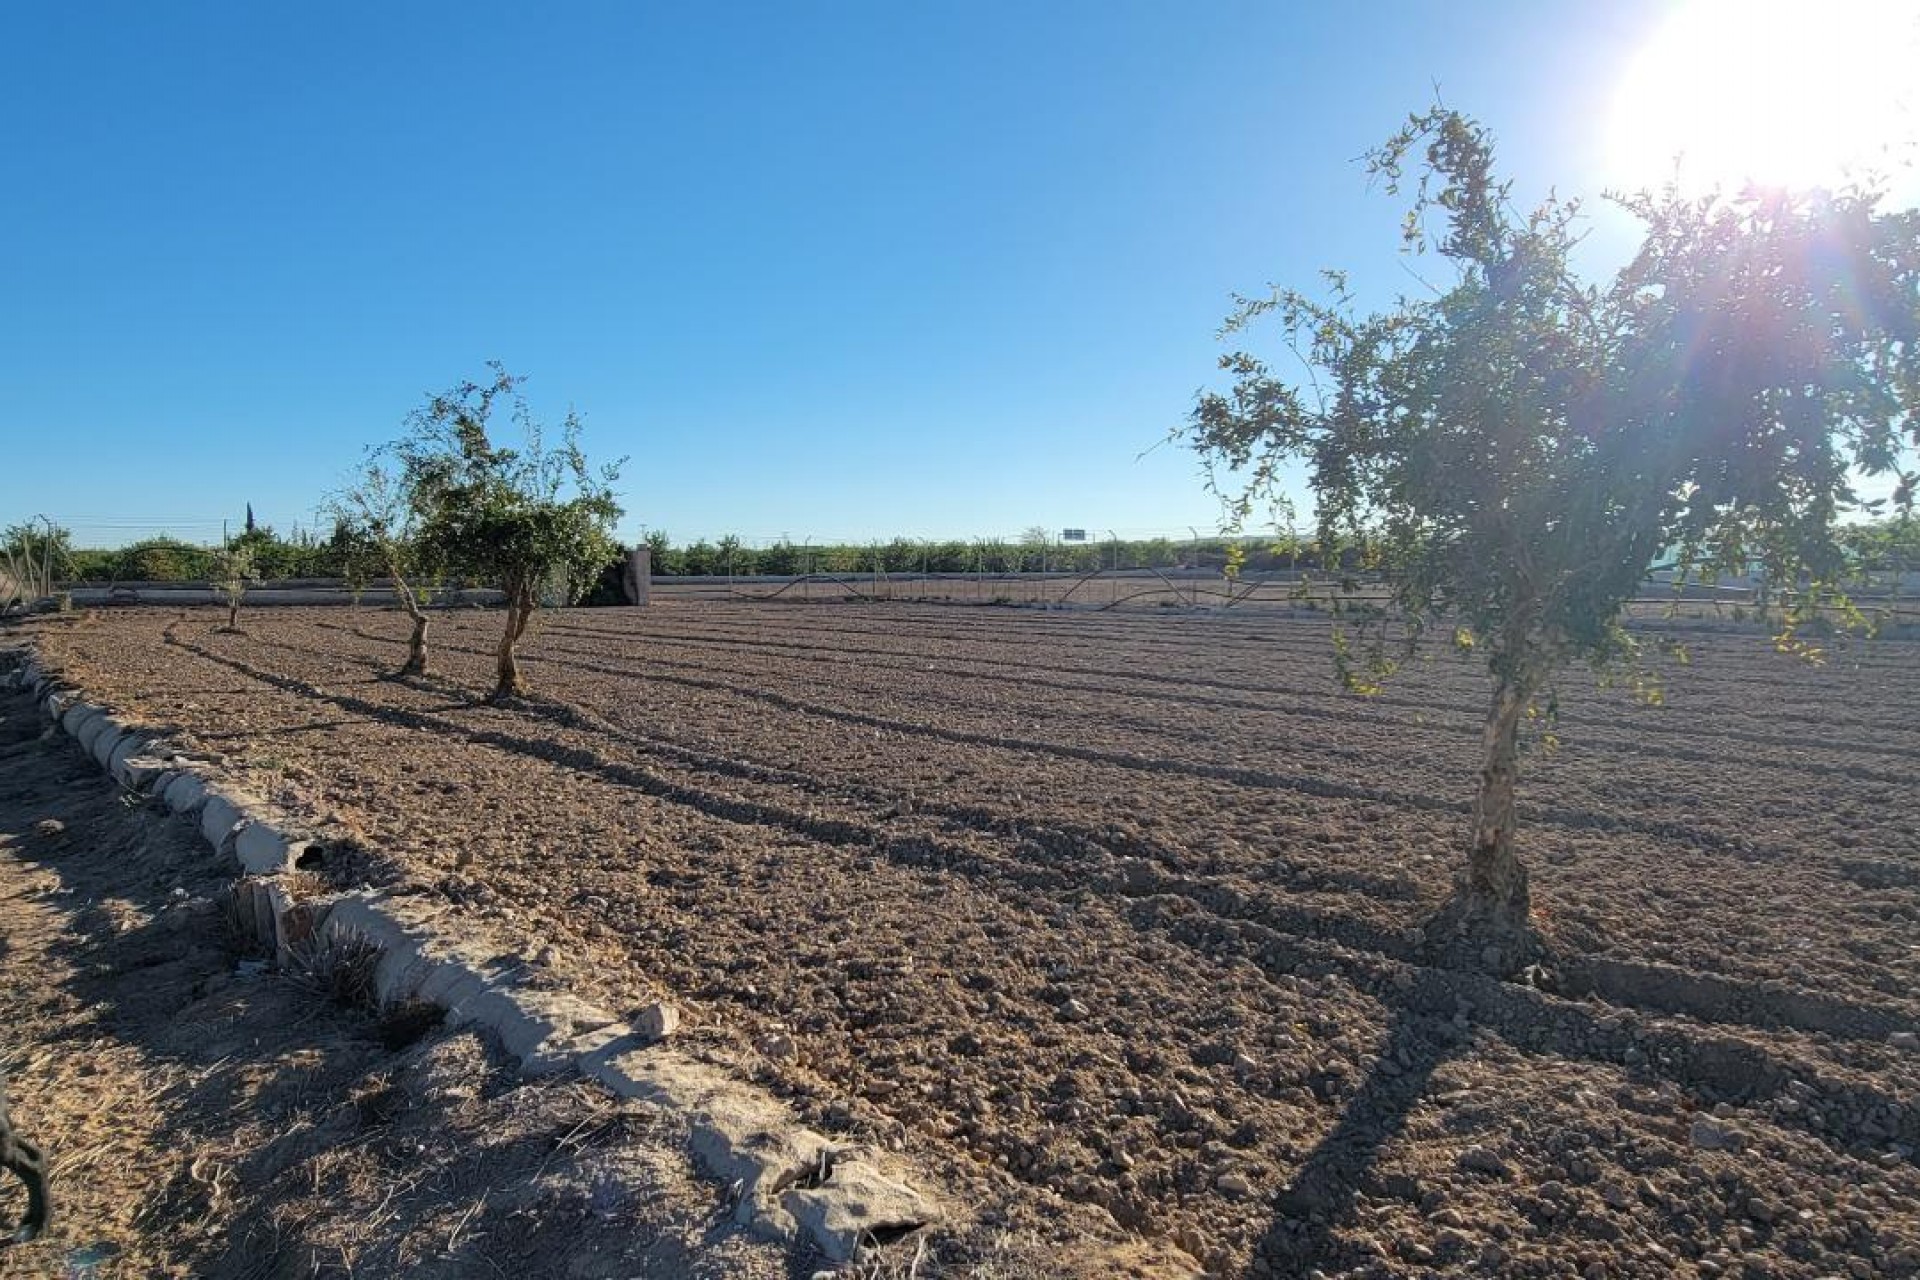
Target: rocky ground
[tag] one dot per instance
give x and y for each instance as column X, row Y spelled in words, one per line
column 1113, row 921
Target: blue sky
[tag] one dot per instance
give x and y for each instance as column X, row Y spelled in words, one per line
column 826, row 270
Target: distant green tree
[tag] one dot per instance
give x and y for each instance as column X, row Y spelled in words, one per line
column 1883, row 547
column 782, row 559
column 950, row 557
column 275, row 557
column 524, row 520
column 94, row 564
column 1033, row 551
column 269, row 556
column 1526, row 444
column 162, row 559
column 731, row 557
column 663, row 558
column 354, row 557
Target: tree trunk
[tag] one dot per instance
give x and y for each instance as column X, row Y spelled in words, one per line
column 233, row 614
column 416, row 663
column 520, row 603
column 1496, row 880
column 509, row 681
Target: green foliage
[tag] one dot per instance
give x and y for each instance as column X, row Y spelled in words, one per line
column 39, row 538
column 609, row 588
column 901, row 555
column 518, row 519
column 356, row 552
column 534, row 520
column 94, row 564
column 1512, row 453
column 1526, row 444
column 166, row 559
column 732, row 558
column 1884, row 546
column 230, row 569
column 660, row 547
column 162, row 559
column 33, row 556
column 302, row 556
column 781, row 559
column 376, row 531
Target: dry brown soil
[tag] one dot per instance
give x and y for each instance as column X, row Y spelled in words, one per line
column 1114, row 921
column 205, row 1119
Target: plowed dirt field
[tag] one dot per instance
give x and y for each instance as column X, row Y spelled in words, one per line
column 1114, row 920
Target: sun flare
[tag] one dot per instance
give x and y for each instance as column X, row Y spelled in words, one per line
column 1771, row 92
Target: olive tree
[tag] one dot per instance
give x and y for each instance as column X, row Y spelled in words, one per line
column 1521, row 446
column 231, row 569
column 377, row 523
column 529, row 520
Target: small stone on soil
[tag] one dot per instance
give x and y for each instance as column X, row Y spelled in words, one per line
column 1483, row 1160
column 1710, row 1135
column 657, row 1021
column 1234, row 1184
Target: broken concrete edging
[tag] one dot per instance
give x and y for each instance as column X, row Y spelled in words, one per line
column 789, row 1182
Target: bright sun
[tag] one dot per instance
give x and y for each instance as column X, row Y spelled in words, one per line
column 1773, row 92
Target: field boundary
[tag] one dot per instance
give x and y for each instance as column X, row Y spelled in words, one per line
column 784, row 1181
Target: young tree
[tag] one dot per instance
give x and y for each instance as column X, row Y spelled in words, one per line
column 527, row 519
column 1523, row 445
column 377, row 522
column 232, row 568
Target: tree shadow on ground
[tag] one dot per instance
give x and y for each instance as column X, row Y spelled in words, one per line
column 1435, row 1015
column 1329, row 1183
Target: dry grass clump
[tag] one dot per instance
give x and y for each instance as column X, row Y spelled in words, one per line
column 339, row 966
